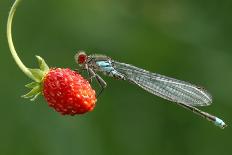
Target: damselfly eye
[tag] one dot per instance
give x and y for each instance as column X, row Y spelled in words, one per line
column 81, row 57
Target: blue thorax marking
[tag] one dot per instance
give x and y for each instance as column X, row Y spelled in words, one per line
column 105, row 66
column 103, row 63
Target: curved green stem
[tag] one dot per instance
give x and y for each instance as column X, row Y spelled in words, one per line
column 11, row 44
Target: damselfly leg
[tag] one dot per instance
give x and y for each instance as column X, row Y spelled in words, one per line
column 99, row 80
column 91, row 75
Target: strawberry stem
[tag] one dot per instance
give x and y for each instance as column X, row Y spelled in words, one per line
column 11, row 44
column 36, row 74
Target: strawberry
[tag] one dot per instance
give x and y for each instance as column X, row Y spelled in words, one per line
column 65, row 90
column 68, row 92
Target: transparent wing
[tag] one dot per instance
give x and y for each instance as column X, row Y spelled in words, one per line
column 165, row 87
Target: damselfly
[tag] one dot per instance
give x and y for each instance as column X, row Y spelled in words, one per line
column 185, row 94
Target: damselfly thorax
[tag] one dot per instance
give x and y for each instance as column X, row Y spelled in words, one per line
column 101, row 63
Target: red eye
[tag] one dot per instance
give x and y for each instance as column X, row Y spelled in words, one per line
column 81, row 57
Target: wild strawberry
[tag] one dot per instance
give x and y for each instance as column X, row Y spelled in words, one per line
column 65, row 90
column 68, row 92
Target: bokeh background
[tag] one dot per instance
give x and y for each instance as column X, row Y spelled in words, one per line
column 189, row 40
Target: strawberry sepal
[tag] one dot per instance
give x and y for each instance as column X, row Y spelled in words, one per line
column 38, row 76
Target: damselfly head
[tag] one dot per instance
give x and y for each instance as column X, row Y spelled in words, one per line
column 81, row 57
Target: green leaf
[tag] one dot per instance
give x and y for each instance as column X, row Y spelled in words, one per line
column 33, row 92
column 35, row 96
column 32, row 85
column 38, row 74
column 42, row 64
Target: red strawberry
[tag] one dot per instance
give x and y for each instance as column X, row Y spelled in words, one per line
column 64, row 90
column 68, row 92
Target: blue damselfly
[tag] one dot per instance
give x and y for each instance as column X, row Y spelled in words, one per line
column 183, row 93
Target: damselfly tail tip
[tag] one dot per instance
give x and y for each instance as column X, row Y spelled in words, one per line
column 220, row 123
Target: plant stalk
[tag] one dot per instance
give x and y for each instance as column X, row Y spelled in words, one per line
column 20, row 64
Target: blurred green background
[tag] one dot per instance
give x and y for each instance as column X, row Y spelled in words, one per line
column 189, row 40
